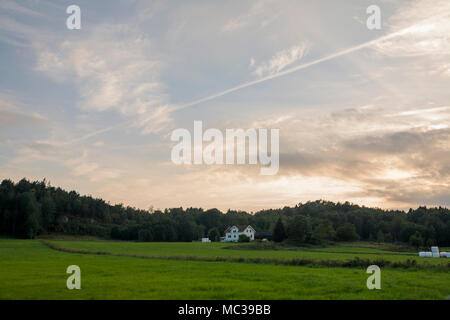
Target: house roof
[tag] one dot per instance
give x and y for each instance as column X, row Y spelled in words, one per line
column 241, row 228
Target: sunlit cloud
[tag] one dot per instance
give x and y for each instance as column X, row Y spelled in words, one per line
column 425, row 30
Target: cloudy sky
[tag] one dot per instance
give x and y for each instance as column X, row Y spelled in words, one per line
column 364, row 115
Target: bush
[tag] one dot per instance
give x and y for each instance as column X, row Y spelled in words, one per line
column 243, row 238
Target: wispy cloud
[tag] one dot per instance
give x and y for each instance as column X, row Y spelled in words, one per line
column 261, row 13
column 82, row 166
column 113, row 69
column 12, row 6
column 280, row 60
column 14, row 114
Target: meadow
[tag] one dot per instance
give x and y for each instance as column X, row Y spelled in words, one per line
column 225, row 250
column 30, row 269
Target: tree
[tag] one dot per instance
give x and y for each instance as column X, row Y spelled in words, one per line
column 186, row 230
column 347, row 232
column 431, row 242
column 324, row 231
column 145, row 235
column 380, row 237
column 28, row 208
column 243, row 238
column 388, row 237
column 29, row 214
column 279, row 233
column 48, row 211
column 416, row 240
column 214, row 234
column 299, row 229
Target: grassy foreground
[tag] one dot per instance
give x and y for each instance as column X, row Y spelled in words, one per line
column 31, row 270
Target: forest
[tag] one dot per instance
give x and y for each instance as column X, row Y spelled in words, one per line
column 33, row 208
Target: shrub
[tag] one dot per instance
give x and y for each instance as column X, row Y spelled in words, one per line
column 243, row 238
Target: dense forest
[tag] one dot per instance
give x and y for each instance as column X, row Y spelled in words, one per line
column 29, row 209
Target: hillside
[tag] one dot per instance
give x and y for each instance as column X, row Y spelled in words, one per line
column 32, row 208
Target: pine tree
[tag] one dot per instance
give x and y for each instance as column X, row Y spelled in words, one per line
column 279, row 233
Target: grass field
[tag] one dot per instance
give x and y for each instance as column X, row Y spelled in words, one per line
column 214, row 249
column 31, row 270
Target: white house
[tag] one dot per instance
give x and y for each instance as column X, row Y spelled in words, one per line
column 232, row 233
column 206, row 240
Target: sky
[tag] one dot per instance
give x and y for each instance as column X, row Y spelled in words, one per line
column 364, row 115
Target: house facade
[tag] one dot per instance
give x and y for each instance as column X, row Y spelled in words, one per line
column 232, row 233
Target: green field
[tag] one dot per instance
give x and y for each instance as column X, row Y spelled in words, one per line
column 214, row 249
column 30, row 269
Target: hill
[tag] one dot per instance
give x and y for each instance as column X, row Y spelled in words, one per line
column 32, row 208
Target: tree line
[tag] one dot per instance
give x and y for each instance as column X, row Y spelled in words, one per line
column 32, row 208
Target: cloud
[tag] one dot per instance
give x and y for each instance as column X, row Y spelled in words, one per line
column 77, row 161
column 11, row 118
column 83, row 167
column 398, row 158
column 114, row 68
column 287, row 71
column 157, row 120
column 380, row 138
column 281, row 60
column 262, row 13
column 17, row 8
column 425, row 26
column 12, row 113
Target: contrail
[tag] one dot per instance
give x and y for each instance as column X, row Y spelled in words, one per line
column 367, row 44
column 97, row 132
column 254, row 82
column 263, row 79
column 294, row 69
